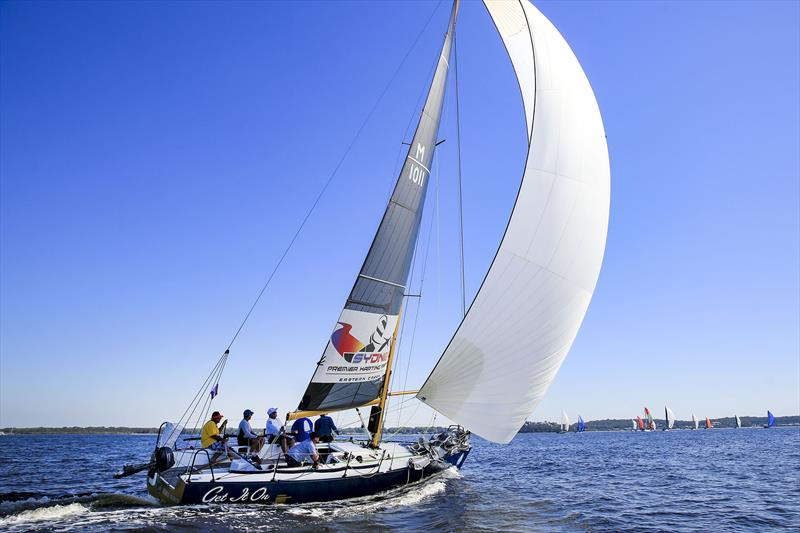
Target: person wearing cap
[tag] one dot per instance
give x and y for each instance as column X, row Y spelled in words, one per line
column 246, row 436
column 210, row 437
column 305, row 451
column 275, row 430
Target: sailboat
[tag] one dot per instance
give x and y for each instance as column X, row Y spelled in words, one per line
column 581, row 424
column 708, row 423
column 564, row 426
column 738, row 421
column 503, row 355
column 634, row 426
column 695, row 423
column 640, row 423
column 650, row 423
column 669, row 418
column 770, row 420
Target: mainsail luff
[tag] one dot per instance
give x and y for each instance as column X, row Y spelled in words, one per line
column 527, row 312
column 354, row 364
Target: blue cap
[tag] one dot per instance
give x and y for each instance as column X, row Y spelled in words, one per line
column 248, row 412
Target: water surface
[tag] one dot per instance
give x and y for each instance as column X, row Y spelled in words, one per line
column 718, row 480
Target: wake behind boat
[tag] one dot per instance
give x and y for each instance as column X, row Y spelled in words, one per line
column 546, row 265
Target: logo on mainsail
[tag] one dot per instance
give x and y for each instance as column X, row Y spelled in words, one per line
column 354, row 351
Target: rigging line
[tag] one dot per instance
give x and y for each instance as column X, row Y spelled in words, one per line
column 333, row 174
column 460, row 203
column 207, row 403
column 196, row 400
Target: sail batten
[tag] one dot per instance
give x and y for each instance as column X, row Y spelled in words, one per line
column 527, row 311
column 354, row 365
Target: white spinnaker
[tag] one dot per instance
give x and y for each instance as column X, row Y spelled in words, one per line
column 670, row 418
column 520, row 326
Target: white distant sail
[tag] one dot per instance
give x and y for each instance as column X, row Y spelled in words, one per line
column 694, row 421
column 670, row 417
column 634, row 427
column 527, row 312
column 738, row 421
column 564, row 421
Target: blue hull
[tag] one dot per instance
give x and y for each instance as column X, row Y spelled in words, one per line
column 300, row 491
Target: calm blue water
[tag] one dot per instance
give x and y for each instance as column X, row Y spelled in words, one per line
column 719, row 480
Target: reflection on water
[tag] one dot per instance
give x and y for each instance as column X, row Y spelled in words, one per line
column 720, row 480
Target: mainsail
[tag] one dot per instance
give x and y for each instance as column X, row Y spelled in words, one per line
column 527, row 312
column 770, row 419
column 738, row 421
column 581, row 424
column 354, row 364
column 694, row 421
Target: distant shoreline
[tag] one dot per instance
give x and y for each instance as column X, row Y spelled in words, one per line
column 528, row 427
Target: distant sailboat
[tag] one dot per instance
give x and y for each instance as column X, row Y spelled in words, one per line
column 770, row 420
column 581, row 424
column 695, row 422
column 708, row 423
column 651, row 425
column 633, row 423
column 640, row 422
column 738, row 421
column 669, row 417
column 564, row 422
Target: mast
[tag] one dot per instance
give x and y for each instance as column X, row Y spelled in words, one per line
column 355, row 367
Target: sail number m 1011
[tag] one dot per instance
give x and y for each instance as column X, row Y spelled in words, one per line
column 418, row 170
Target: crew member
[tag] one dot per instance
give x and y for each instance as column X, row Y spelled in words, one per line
column 246, row 436
column 210, row 437
column 325, row 428
column 275, row 430
column 304, row 451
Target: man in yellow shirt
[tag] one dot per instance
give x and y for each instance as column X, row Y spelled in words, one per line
column 210, row 437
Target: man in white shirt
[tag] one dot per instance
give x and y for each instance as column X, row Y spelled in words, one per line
column 304, row 451
column 275, row 430
column 247, row 436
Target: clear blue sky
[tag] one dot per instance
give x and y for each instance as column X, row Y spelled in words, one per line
column 156, row 158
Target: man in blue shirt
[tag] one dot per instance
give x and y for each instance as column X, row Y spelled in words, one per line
column 304, row 451
column 325, row 428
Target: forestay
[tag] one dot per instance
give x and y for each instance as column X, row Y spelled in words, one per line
column 354, row 363
column 527, row 312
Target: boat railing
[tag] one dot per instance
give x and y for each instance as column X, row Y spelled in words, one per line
column 210, row 465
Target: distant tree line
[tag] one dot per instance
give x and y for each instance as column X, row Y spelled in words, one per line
column 625, row 424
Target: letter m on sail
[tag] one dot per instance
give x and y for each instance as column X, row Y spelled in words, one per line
column 420, row 152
